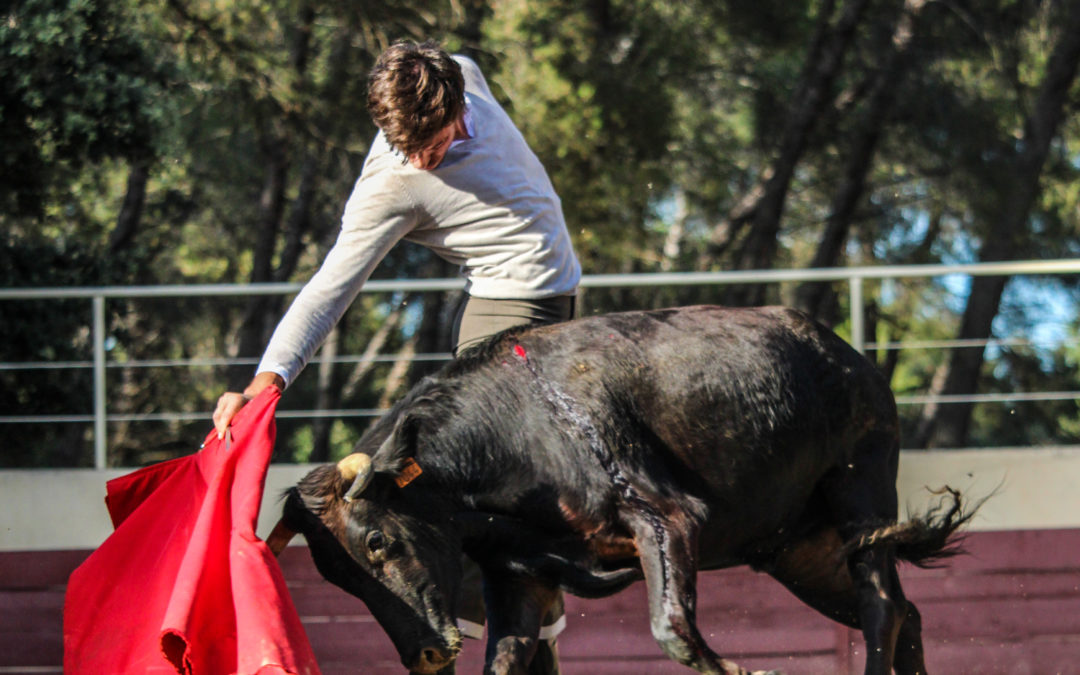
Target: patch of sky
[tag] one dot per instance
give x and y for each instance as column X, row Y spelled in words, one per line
column 664, row 210
column 413, row 315
column 1042, row 311
column 907, row 234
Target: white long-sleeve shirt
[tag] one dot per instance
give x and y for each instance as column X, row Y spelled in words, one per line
column 488, row 207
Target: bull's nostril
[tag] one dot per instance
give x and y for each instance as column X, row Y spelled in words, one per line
column 432, row 655
column 431, row 660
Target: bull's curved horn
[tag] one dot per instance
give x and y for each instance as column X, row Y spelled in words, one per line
column 279, row 537
column 357, row 468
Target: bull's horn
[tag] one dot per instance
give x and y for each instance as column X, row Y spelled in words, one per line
column 357, row 468
column 279, row 538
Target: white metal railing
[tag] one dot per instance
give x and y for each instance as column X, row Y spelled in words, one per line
column 854, row 276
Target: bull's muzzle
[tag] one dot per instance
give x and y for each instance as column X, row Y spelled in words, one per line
column 279, row 538
column 431, row 659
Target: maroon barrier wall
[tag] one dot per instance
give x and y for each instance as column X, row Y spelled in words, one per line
column 1012, row 605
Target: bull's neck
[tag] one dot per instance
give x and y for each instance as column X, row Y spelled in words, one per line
column 516, row 443
column 491, row 476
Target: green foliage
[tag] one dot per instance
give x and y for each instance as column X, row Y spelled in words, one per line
column 654, row 119
column 48, row 331
column 77, row 86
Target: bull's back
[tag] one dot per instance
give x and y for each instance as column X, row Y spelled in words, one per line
column 719, row 398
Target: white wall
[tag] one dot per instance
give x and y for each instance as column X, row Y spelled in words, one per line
column 57, row 509
column 1036, row 488
column 1032, row 488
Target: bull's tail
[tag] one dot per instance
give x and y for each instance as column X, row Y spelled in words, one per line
column 926, row 540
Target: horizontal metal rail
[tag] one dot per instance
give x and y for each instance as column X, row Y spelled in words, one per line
column 1014, row 268
column 853, row 276
column 219, row 362
column 211, row 362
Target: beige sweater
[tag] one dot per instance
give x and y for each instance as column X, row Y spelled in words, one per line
column 489, row 207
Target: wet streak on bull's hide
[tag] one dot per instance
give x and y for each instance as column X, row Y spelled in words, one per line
column 567, row 408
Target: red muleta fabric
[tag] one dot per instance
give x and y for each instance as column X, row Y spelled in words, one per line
column 183, row 585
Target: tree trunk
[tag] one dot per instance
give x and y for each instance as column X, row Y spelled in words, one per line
column 398, row 377
column 262, row 311
column 762, row 212
column 128, row 222
column 130, row 216
column 330, row 395
column 758, row 250
column 326, row 398
column 950, row 424
column 299, row 222
column 1008, row 235
column 259, row 314
column 374, row 348
column 930, row 410
column 724, row 234
column 812, row 297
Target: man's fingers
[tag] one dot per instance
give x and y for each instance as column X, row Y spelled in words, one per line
column 228, row 405
column 220, row 419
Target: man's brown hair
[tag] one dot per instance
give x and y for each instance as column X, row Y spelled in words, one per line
column 415, row 91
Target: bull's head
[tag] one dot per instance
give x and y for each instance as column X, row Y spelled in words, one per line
column 391, row 546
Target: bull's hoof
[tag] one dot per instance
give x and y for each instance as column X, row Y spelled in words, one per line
column 449, row 670
column 729, row 668
column 546, row 660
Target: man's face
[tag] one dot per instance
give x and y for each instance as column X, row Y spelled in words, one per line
column 431, row 156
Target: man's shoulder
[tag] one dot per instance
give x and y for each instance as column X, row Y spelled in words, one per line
column 467, row 63
column 475, row 82
column 382, row 158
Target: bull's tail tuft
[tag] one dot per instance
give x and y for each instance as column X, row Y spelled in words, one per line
column 926, row 540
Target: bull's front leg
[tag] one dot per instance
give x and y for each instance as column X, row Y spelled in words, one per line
column 668, row 550
column 515, row 609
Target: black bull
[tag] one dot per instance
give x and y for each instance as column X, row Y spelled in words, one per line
column 586, row 455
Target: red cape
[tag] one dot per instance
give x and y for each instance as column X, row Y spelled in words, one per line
column 183, row 585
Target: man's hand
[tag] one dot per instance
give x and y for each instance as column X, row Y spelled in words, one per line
column 231, row 402
column 228, row 405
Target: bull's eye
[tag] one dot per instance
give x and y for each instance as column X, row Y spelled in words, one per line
column 375, row 542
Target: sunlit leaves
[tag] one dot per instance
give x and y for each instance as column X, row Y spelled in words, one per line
column 76, row 86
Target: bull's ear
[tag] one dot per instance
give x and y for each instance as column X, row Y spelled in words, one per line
column 390, row 446
column 396, row 455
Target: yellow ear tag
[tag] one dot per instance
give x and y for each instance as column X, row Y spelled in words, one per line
column 409, row 472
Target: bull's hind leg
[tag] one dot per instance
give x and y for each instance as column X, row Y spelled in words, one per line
column 881, row 606
column 815, row 570
column 908, row 658
column 668, row 560
column 862, row 496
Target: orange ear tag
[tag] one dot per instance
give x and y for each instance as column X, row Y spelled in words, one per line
column 409, row 472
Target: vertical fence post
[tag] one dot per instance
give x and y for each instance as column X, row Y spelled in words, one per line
column 99, row 382
column 858, row 320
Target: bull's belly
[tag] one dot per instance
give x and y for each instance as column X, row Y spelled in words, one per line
column 759, row 530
